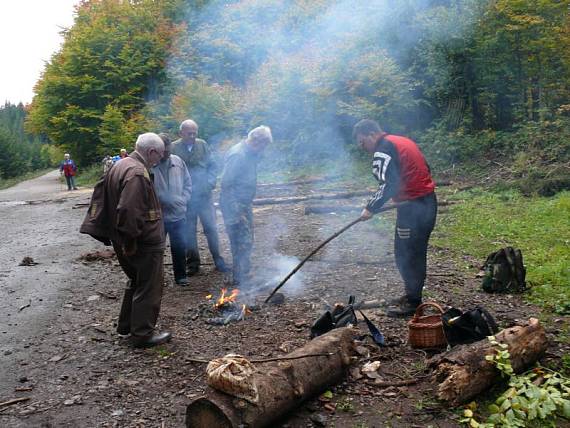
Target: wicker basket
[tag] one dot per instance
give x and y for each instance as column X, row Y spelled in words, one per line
column 426, row 331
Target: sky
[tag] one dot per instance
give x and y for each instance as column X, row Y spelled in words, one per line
column 29, row 35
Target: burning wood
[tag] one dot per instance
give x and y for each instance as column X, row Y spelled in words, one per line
column 226, row 299
column 228, row 307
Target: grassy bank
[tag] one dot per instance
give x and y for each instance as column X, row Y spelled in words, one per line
column 87, row 177
column 539, row 226
column 9, row 182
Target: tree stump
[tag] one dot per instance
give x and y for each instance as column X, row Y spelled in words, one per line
column 463, row 372
column 282, row 385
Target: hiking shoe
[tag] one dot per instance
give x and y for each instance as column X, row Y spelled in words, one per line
column 183, row 282
column 403, row 310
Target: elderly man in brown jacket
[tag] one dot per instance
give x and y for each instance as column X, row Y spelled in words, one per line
column 125, row 211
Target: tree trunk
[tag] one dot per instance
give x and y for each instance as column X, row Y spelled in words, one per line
column 282, row 386
column 295, row 199
column 463, row 372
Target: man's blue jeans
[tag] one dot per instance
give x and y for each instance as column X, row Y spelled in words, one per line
column 177, row 232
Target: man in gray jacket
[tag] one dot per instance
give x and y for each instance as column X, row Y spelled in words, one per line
column 173, row 187
column 239, row 184
column 199, row 160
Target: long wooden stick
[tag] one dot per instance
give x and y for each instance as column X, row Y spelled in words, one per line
column 321, row 245
column 14, row 401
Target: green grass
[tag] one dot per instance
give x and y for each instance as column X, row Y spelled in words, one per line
column 9, row 182
column 87, row 177
column 540, row 227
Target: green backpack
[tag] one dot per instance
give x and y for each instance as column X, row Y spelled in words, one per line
column 504, row 272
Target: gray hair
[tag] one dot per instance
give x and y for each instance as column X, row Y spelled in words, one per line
column 260, row 133
column 187, row 123
column 146, row 142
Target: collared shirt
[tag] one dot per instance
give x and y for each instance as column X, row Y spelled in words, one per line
column 201, row 165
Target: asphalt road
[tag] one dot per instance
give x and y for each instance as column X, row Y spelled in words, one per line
column 38, row 222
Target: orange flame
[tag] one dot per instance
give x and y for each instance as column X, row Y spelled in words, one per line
column 224, row 300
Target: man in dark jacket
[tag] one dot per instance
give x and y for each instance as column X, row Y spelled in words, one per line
column 239, row 183
column 404, row 176
column 125, row 210
column 199, row 160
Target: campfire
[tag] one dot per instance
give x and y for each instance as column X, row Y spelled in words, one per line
column 228, row 308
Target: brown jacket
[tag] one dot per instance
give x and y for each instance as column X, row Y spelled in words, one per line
column 124, row 207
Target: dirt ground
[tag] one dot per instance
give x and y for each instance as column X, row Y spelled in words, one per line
column 57, row 332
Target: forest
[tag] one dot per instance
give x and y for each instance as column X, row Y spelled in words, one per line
column 21, row 152
column 471, row 81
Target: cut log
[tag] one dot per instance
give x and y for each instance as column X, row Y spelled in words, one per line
column 282, row 386
column 324, row 196
column 463, row 372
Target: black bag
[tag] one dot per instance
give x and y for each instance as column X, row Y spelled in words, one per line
column 467, row 327
column 504, row 272
column 340, row 316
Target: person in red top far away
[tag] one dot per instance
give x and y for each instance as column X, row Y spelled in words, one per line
column 404, row 176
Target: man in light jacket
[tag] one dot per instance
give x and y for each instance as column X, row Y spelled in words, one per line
column 174, row 187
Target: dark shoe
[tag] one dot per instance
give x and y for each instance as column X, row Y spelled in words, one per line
column 152, row 340
column 183, row 282
column 123, row 332
column 404, row 310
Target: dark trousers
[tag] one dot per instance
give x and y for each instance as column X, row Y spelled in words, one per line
column 141, row 301
column 177, row 232
column 202, row 208
column 414, row 224
column 241, row 243
column 70, row 180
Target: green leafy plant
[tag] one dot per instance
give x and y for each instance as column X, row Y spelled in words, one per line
column 536, row 397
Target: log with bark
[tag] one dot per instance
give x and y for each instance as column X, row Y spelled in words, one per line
column 282, row 386
column 300, row 182
column 463, row 372
column 323, row 196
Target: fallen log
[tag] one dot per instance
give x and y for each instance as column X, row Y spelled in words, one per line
column 297, row 182
column 463, row 372
column 324, row 196
column 325, row 209
column 282, row 386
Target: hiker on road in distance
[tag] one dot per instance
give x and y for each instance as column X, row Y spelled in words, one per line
column 125, row 211
column 174, row 187
column 404, row 176
column 68, row 168
column 199, row 160
column 239, row 182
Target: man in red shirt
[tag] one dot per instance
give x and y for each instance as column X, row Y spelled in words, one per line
column 404, row 176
